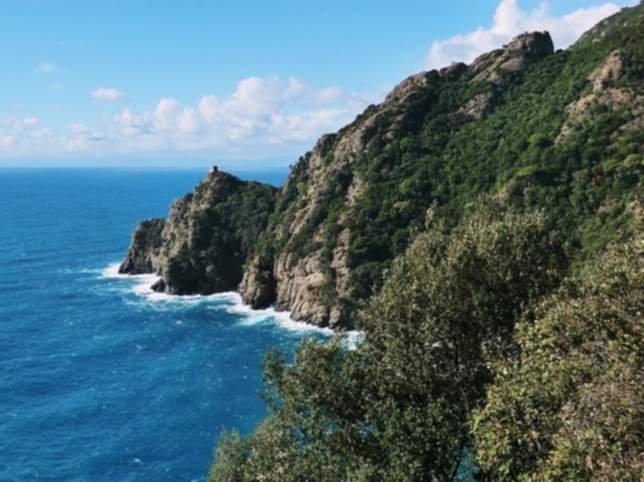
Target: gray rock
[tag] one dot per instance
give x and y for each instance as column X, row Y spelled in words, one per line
column 604, row 93
column 258, row 284
column 144, row 249
column 514, row 57
column 453, row 71
column 478, row 106
column 203, row 244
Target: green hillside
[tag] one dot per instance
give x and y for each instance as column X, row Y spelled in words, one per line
column 562, row 133
column 484, row 227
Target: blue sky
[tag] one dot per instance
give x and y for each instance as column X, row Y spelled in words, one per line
column 242, row 84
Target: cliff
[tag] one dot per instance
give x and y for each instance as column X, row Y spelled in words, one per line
column 144, row 249
column 203, row 244
column 319, row 266
column 558, row 131
column 506, row 342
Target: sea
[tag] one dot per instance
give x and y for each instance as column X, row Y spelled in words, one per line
column 100, row 378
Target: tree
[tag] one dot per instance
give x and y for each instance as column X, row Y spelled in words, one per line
column 571, row 406
column 397, row 407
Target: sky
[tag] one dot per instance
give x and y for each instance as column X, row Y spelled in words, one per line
column 241, row 84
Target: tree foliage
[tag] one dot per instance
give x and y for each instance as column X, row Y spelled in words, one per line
column 397, row 408
column 571, row 407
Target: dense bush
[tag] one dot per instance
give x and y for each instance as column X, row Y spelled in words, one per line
column 397, row 408
column 469, row 369
column 571, row 406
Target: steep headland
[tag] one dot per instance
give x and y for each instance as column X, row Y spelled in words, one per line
column 203, row 244
column 559, row 131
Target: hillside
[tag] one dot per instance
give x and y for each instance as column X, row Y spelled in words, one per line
column 506, row 342
column 558, row 131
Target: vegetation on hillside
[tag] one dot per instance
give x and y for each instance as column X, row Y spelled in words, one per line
column 570, row 405
column 440, row 156
column 478, row 362
column 503, row 263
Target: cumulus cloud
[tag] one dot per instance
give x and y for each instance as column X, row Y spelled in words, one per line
column 107, row 94
column 80, row 137
column 259, row 112
column 260, row 117
column 28, row 136
column 24, row 136
column 509, row 21
column 46, row 68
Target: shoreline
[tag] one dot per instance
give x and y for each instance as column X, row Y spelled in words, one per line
column 281, row 319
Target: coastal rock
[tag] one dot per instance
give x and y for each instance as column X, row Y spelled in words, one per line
column 258, row 284
column 323, row 244
column 203, row 244
column 312, row 276
column 210, row 233
column 144, row 249
column 314, row 282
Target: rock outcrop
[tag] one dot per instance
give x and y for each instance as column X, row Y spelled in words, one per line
column 311, row 282
column 478, row 106
column 316, row 283
column 258, row 284
column 512, row 58
column 605, row 93
column 499, row 67
column 203, row 245
column 142, row 256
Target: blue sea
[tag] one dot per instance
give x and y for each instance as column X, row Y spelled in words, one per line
column 101, row 379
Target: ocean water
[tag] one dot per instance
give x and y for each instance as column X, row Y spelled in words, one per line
column 100, row 379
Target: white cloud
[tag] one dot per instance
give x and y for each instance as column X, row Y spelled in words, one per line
column 165, row 114
column 30, row 121
column 28, row 136
column 259, row 112
column 45, row 68
column 188, row 121
column 24, row 136
column 107, row 94
column 261, row 117
column 509, row 21
column 80, row 137
column 131, row 124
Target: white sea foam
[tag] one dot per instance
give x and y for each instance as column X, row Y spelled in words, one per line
column 112, row 271
column 142, row 282
column 143, row 287
column 280, row 318
column 351, row 339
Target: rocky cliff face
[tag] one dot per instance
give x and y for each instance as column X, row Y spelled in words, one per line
column 516, row 120
column 513, row 57
column 312, row 267
column 144, row 249
column 605, row 93
column 203, row 244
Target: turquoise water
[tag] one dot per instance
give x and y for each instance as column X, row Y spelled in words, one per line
column 100, row 380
